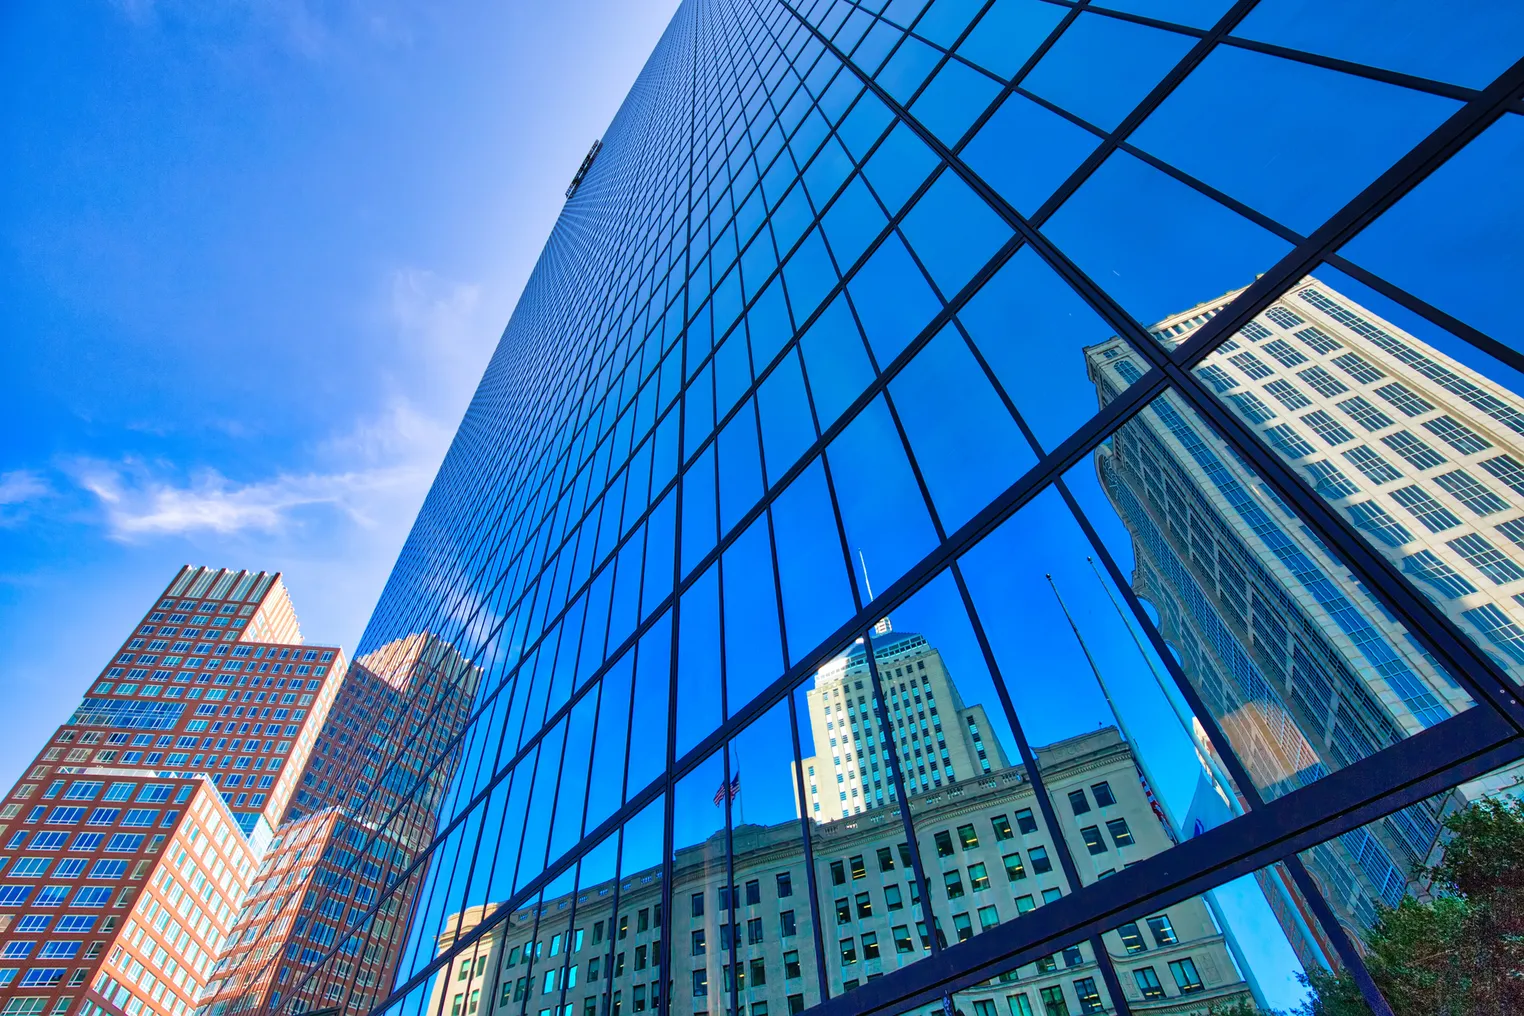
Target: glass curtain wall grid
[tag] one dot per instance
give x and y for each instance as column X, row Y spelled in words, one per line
column 949, row 454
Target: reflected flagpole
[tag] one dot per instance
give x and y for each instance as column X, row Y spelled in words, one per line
column 1182, row 712
column 1094, row 668
column 1137, row 756
column 735, row 788
column 729, row 791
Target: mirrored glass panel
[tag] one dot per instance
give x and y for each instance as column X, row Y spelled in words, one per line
column 866, row 871
column 1246, row 944
column 1410, row 892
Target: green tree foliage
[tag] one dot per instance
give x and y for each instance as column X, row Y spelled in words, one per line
column 1460, row 953
column 1237, row 1008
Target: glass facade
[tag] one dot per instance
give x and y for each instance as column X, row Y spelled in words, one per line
column 950, row 456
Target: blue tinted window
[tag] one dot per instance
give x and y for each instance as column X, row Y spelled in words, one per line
column 1025, row 151
column 1101, row 67
column 962, row 475
column 892, row 299
column 952, row 258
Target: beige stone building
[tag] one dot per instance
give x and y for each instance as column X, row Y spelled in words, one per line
column 988, row 858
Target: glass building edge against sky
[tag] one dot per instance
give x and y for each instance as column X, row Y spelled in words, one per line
column 788, row 500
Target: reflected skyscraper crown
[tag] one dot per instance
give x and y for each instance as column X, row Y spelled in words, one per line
column 930, row 723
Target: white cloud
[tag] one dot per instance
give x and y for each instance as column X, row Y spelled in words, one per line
column 446, row 331
column 139, row 501
column 402, row 432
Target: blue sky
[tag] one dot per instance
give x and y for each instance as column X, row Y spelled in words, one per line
column 253, row 258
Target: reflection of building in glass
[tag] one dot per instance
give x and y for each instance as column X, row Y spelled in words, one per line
column 408, row 701
column 366, row 805
column 308, row 888
column 1422, row 453
column 939, row 739
column 988, row 855
column 1210, row 806
column 1304, row 669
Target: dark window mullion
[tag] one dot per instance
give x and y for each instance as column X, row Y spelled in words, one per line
column 1486, row 343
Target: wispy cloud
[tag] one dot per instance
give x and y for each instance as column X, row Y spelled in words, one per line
column 19, row 490
column 445, row 329
column 383, row 459
column 307, row 30
column 139, row 501
column 20, row 486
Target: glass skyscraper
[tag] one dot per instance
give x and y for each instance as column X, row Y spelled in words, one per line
column 999, row 506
